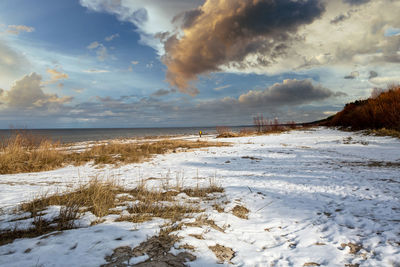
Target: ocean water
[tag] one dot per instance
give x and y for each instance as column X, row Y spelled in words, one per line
column 95, row 134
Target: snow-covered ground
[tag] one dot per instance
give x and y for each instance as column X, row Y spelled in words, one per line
column 312, row 195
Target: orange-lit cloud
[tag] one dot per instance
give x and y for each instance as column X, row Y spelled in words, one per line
column 55, row 76
column 221, row 32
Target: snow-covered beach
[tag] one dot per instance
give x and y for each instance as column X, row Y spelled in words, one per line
column 317, row 197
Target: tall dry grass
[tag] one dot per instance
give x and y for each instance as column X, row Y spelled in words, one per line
column 20, row 153
column 96, row 196
column 23, row 153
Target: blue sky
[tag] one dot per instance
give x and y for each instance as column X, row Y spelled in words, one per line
column 105, row 63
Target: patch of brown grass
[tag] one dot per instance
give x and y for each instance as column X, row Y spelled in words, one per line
column 311, row 264
column 203, row 220
column 162, row 204
column 20, row 154
column 240, row 211
column 100, row 198
column 226, row 132
column 223, row 254
column 96, row 196
column 203, row 191
column 354, row 248
column 384, row 132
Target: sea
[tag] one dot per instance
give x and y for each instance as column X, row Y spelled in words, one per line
column 96, row 134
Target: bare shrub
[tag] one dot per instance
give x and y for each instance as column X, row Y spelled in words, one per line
column 263, row 125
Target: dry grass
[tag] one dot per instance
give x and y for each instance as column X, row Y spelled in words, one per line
column 162, row 204
column 240, row 211
column 100, row 198
column 146, row 211
column 23, row 153
column 225, row 132
column 96, row 196
column 204, row 221
column 223, row 254
column 384, row 132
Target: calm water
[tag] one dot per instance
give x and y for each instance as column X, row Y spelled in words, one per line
column 79, row 135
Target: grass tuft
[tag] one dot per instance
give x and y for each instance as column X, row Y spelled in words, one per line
column 96, row 196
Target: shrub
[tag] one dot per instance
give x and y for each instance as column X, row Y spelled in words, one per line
column 379, row 111
column 263, row 125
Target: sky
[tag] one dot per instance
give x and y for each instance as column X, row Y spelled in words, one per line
column 157, row 63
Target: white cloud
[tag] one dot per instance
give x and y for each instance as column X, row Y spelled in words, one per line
column 385, row 81
column 219, row 88
column 12, row 63
column 27, row 93
column 150, row 17
column 95, row 71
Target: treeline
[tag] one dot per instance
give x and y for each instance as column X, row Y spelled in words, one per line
column 376, row 112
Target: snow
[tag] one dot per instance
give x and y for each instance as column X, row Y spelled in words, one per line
column 309, row 193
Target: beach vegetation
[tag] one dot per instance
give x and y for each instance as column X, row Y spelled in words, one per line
column 24, row 152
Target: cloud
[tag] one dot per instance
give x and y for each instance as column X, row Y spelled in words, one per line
column 111, row 37
column 95, row 71
column 149, row 17
column 219, row 88
column 342, row 17
column 93, row 45
column 78, row 90
column 356, row 2
column 11, row 61
column 101, row 50
column 17, row 29
column 290, row 92
column 161, row 92
column 56, row 75
column 385, row 81
column 372, row 74
column 347, row 33
column 226, row 32
column 27, row 94
column 352, row 75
